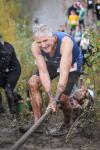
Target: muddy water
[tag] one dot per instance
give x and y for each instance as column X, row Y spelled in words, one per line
column 50, row 12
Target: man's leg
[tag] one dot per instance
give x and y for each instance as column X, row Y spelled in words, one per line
column 34, row 85
column 1, row 106
column 11, row 81
column 35, row 97
column 66, row 109
column 10, row 98
column 2, row 85
column 66, row 106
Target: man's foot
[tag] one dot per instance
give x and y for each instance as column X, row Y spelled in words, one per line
column 2, row 110
column 25, row 128
column 61, row 131
column 13, row 109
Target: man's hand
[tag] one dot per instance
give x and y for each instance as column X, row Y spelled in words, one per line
column 52, row 105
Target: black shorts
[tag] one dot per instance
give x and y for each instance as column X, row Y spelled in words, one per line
column 72, row 78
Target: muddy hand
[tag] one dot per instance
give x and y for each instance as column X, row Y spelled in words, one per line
column 52, row 105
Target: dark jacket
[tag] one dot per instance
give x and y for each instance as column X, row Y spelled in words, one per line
column 8, row 59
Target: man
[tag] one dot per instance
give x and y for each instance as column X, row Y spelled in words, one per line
column 90, row 12
column 9, row 74
column 97, row 10
column 73, row 8
column 82, row 15
column 56, row 54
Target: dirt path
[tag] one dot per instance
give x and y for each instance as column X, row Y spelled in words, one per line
column 9, row 133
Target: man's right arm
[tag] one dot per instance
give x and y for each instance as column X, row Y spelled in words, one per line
column 43, row 72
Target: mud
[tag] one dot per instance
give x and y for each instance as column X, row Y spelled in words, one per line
column 81, row 139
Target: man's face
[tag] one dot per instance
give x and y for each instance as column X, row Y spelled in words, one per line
column 45, row 43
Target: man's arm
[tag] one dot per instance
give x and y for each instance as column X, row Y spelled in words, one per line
column 65, row 65
column 14, row 62
column 43, row 72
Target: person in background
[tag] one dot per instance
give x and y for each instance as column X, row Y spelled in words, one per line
column 10, row 71
column 72, row 8
column 73, row 21
column 90, row 12
column 62, row 28
column 77, row 34
column 82, row 13
column 97, row 10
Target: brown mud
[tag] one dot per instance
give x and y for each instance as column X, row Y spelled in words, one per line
column 87, row 138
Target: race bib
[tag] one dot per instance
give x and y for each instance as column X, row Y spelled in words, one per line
column 35, row 62
column 74, row 67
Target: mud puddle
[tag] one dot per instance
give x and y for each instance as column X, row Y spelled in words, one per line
column 9, row 134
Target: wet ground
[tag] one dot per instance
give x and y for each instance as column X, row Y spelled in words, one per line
column 79, row 140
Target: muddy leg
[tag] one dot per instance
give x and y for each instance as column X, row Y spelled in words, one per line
column 35, row 97
column 1, row 106
column 66, row 108
column 10, row 99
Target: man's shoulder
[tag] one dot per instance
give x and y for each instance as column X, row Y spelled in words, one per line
column 9, row 46
column 7, row 43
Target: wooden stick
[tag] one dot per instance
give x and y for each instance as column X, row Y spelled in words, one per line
column 22, row 140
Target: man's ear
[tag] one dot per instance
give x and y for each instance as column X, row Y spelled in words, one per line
column 52, row 41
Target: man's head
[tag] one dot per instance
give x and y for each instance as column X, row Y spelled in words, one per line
column 73, row 12
column 43, row 35
column 62, row 28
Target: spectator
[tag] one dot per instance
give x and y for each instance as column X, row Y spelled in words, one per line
column 97, row 10
column 72, row 8
column 73, row 21
column 90, row 12
column 82, row 16
column 9, row 74
column 62, row 28
column 77, row 34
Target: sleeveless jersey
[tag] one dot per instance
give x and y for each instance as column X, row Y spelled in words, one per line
column 55, row 59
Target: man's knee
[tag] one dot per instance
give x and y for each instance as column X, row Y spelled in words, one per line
column 65, row 103
column 34, row 82
column 64, row 98
column 9, row 91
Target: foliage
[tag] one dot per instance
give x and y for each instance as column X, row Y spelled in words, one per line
column 9, row 10
column 15, row 29
column 94, row 59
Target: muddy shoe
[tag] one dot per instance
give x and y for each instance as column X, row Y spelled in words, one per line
column 24, row 129
column 61, row 131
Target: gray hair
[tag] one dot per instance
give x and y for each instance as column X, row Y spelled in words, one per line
column 41, row 29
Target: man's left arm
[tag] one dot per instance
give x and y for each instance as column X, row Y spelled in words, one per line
column 65, row 65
